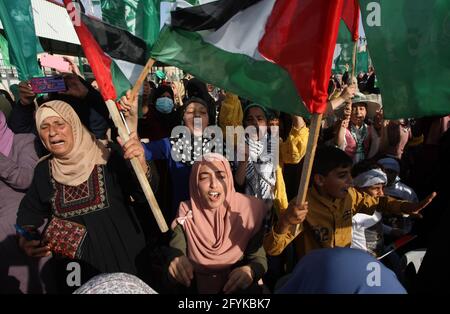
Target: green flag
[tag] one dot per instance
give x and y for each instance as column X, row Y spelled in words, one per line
column 409, row 44
column 4, row 50
column 362, row 62
column 139, row 17
column 18, row 22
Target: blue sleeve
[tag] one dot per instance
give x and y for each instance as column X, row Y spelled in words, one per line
column 157, row 150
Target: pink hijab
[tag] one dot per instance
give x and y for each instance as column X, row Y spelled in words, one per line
column 6, row 136
column 217, row 238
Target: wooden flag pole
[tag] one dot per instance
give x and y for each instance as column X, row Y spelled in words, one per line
column 355, row 47
column 314, row 131
column 114, row 112
column 141, row 79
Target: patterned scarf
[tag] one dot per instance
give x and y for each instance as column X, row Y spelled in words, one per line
column 260, row 172
column 187, row 151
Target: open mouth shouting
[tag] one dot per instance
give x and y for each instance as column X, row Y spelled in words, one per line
column 214, row 196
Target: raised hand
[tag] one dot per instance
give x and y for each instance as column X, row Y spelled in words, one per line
column 294, row 215
column 130, row 110
column 414, row 209
column 133, row 148
column 75, row 87
column 26, row 94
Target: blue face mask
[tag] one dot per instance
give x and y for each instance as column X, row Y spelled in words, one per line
column 164, row 105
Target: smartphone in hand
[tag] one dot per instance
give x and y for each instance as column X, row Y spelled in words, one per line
column 49, row 84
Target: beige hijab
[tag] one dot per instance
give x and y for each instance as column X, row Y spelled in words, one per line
column 75, row 167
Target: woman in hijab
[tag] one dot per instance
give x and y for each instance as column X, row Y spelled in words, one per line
column 84, row 190
column 115, row 283
column 217, row 235
column 161, row 116
column 196, row 88
column 18, row 274
column 180, row 151
column 341, row 271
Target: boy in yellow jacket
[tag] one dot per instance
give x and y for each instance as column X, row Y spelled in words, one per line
column 326, row 216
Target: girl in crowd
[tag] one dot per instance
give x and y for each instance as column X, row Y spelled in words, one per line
column 217, row 239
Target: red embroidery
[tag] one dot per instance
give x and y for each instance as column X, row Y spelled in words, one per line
column 70, row 201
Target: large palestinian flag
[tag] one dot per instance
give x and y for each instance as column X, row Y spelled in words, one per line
column 275, row 53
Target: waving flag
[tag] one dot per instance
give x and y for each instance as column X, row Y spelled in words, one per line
column 108, row 75
column 409, row 44
column 140, row 17
column 301, row 37
column 218, row 43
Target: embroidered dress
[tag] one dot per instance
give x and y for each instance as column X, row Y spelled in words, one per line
column 102, row 204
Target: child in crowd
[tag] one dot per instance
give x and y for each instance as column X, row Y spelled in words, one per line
column 368, row 230
column 332, row 202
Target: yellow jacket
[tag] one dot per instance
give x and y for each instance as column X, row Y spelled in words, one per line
column 291, row 151
column 231, row 113
column 329, row 223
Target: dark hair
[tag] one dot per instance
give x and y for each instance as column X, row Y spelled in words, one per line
column 329, row 158
column 196, row 88
column 189, row 101
column 161, row 90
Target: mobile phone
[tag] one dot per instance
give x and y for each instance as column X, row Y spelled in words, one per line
column 55, row 62
column 49, row 84
column 27, row 234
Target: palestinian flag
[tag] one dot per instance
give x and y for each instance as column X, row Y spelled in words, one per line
column 270, row 52
column 111, row 81
column 409, row 44
column 350, row 17
column 118, row 43
column 218, row 43
column 127, row 51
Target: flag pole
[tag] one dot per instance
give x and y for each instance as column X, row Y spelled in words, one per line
column 314, row 130
column 141, row 79
column 355, row 47
column 114, row 112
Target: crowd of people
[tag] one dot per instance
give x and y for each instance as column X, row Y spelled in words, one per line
column 69, row 193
